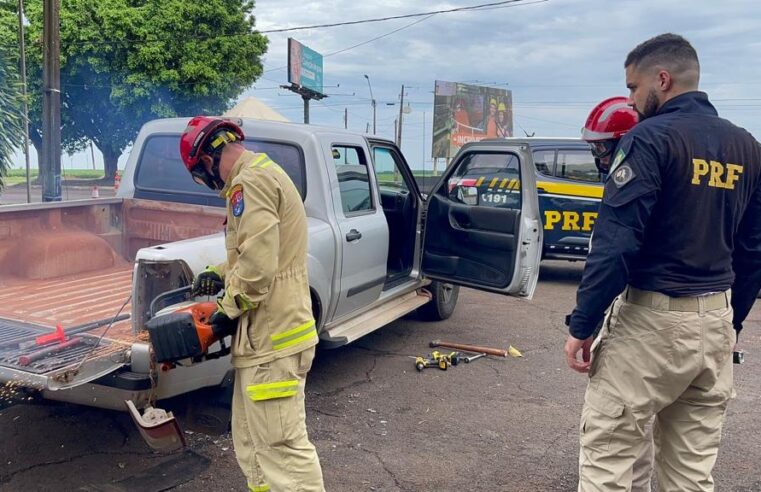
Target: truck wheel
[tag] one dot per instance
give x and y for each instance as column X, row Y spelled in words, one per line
column 443, row 303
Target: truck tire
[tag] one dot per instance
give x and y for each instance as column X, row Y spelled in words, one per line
column 443, row 303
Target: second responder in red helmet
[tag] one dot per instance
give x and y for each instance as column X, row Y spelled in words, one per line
column 266, row 301
column 610, row 120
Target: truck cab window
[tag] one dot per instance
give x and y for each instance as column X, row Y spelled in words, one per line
column 387, row 171
column 161, row 175
column 487, row 180
column 578, row 165
column 400, row 209
column 161, row 168
column 353, row 179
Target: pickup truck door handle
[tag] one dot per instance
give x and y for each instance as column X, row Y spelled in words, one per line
column 353, row 235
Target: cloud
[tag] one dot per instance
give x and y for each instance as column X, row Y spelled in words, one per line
column 559, row 57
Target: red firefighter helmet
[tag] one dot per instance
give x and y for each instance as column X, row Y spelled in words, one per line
column 197, row 138
column 609, row 120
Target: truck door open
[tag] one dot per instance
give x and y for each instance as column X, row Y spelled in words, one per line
column 482, row 223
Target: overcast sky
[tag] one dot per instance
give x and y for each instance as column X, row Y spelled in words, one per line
column 559, row 58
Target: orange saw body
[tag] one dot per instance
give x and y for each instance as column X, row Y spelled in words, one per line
column 183, row 331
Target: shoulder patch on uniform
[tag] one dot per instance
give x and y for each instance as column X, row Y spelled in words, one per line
column 623, row 175
column 617, row 160
column 236, row 200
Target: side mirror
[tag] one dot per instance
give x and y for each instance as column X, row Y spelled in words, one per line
column 464, row 194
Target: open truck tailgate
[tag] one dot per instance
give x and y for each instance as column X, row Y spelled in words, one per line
column 31, row 308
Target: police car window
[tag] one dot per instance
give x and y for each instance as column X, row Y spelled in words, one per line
column 160, row 167
column 353, row 179
column 487, row 180
column 578, row 165
column 387, row 171
column 544, row 161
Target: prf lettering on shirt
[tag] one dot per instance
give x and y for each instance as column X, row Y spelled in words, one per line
column 569, row 220
column 721, row 175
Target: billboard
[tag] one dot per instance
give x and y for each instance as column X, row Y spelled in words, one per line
column 467, row 113
column 304, row 66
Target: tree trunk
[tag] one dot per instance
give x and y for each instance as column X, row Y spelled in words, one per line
column 36, row 141
column 110, row 162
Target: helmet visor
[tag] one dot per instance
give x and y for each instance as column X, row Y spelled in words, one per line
column 602, row 148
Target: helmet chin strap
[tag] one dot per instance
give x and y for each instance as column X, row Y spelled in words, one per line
column 215, row 177
column 601, row 168
column 211, row 179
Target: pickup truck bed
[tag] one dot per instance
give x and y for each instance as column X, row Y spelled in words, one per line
column 72, row 264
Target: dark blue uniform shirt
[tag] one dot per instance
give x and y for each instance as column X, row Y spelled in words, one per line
column 681, row 213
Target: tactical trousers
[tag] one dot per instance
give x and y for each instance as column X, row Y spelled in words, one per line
column 662, row 357
column 269, row 426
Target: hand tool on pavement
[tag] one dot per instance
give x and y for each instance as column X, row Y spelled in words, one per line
column 473, row 357
column 423, row 363
column 437, row 359
column 25, row 360
column 452, row 358
column 470, row 348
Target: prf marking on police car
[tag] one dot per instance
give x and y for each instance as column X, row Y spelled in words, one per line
column 701, row 168
column 570, row 220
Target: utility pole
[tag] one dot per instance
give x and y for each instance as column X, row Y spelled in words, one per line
column 306, row 108
column 434, row 162
column 401, row 113
column 372, row 99
column 25, row 103
column 346, row 118
column 307, row 95
column 51, row 105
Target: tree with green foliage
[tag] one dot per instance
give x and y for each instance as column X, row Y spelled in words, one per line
column 11, row 130
column 125, row 62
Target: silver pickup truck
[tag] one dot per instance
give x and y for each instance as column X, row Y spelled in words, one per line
column 378, row 250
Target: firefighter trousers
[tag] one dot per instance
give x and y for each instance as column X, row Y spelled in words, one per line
column 269, row 426
column 662, row 357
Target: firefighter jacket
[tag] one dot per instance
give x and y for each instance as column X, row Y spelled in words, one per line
column 266, row 285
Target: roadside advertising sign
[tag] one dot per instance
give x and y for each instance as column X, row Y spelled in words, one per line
column 467, row 113
column 304, row 66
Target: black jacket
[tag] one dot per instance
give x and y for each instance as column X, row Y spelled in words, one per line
column 681, row 213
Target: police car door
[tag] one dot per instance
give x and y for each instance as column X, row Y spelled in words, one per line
column 482, row 224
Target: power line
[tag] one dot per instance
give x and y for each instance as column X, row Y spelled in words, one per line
column 362, row 43
column 401, row 29
column 504, row 3
column 482, row 6
column 379, row 37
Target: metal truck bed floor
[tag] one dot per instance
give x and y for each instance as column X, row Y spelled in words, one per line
column 35, row 307
column 71, row 300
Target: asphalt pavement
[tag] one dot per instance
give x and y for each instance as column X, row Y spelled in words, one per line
column 379, row 425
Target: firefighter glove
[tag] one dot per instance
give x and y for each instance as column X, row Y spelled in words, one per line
column 221, row 325
column 208, row 283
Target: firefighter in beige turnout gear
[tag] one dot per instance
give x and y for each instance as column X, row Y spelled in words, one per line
column 267, row 292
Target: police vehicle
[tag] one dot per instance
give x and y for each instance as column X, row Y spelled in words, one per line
column 568, row 183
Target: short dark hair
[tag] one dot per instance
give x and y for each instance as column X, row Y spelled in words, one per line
column 669, row 50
